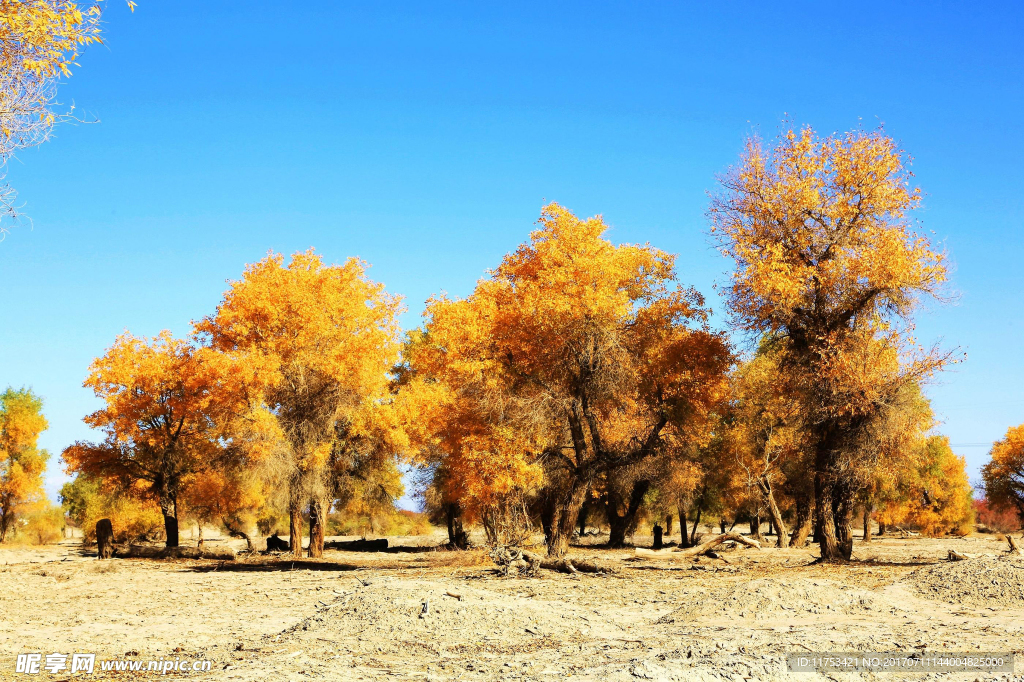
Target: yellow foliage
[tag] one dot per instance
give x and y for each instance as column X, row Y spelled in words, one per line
column 22, row 463
column 933, row 492
column 323, row 338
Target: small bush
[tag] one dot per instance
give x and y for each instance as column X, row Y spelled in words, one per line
column 42, row 525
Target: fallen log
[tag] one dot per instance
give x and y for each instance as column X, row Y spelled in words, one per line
column 363, row 545
column 144, row 552
column 680, row 553
column 958, row 556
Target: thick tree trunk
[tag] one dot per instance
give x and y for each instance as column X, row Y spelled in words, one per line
column 881, row 529
column 547, row 516
column 668, row 525
column 777, row 520
column 317, row 521
column 755, row 527
column 867, row 521
column 804, row 521
column 168, row 507
column 295, row 530
column 721, row 523
column 104, row 539
column 170, row 522
column 843, row 499
column 567, row 510
column 825, row 521
column 456, row 534
column 622, row 514
column 6, row 518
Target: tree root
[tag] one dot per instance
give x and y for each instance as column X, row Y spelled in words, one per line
column 515, row 561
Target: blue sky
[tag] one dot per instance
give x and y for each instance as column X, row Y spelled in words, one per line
column 426, row 140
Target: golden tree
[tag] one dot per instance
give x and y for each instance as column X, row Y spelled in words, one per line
column 576, row 357
column 165, row 406
column 826, row 258
column 328, row 337
column 1003, row 475
column 22, row 463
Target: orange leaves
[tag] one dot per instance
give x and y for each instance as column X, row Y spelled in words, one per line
column 166, row 407
column 573, row 349
column 1003, row 475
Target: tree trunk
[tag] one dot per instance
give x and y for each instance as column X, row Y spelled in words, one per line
column 170, row 521
column 777, row 520
column 456, row 535
column 566, row 511
column 668, row 525
column 721, row 523
column 547, row 516
column 6, row 517
column 804, row 523
column 104, row 539
column 843, row 500
column 582, row 521
column 755, row 527
column 317, row 521
column 295, row 530
column 881, row 529
column 622, row 514
column 684, row 531
column 825, row 522
column 696, row 525
column 199, row 542
column 867, row 521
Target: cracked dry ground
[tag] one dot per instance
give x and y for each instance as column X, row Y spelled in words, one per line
column 358, row 616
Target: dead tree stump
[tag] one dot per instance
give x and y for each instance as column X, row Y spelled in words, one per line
column 657, row 537
column 105, row 538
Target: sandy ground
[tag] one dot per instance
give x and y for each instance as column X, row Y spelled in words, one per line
column 357, row 616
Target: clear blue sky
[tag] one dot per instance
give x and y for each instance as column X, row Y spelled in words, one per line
column 426, row 140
